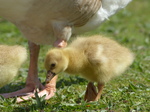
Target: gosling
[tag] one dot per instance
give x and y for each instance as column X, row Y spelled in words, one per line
column 11, row 59
column 97, row 59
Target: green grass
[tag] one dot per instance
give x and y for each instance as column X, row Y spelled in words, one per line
column 127, row 93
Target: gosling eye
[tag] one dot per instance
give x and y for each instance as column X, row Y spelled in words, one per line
column 53, row 65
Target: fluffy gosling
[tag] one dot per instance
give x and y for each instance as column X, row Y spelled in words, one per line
column 11, row 58
column 98, row 59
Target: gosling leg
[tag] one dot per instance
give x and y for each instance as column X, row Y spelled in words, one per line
column 91, row 93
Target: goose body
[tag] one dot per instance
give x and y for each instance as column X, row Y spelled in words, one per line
column 44, row 22
column 98, row 59
column 11, row 59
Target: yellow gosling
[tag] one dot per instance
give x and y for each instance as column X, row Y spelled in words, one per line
column 97, row 59
column 11, row 58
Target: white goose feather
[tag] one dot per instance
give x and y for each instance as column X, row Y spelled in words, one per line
column 43, row 22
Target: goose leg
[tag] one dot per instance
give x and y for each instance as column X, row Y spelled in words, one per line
column 50, row 87
column 91, row 93
column 100, row 89
column 32, row 79
column 60, row 43
column 48, row 91
column 62, row 33
column 32, row 82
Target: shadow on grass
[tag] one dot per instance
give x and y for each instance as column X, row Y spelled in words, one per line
column 12, row 87
column 71, row 80
column 60, row 84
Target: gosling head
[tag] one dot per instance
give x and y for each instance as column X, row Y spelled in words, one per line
column 55, row 62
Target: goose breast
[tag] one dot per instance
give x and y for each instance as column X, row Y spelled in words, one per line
column 36, row 18
column 41, row 21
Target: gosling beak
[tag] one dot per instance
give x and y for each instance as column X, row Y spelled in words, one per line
column 49, row 76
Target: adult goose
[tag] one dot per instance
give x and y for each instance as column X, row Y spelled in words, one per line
column 53, row 22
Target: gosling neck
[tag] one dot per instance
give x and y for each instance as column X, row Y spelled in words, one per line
column 76, row 60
